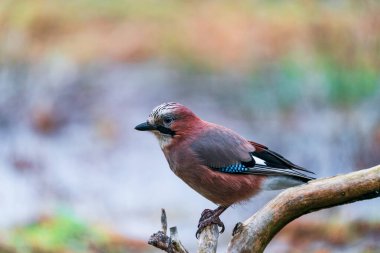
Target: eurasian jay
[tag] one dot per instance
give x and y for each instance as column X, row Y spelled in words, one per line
column 217, row 162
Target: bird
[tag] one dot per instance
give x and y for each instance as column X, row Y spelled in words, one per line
column 218, row 163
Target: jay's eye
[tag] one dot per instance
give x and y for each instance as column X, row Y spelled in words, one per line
column 168, row 120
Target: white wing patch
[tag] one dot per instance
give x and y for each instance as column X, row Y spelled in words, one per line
column 259, row 161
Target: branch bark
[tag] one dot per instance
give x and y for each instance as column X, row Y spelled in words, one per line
column 255, row 233
column 208, row 239
column 160, row 240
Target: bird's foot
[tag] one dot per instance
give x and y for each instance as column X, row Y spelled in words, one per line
column 209, row 217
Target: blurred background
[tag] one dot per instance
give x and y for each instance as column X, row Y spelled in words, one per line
column 301, row 77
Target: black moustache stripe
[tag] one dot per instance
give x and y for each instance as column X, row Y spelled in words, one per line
column 165, row 130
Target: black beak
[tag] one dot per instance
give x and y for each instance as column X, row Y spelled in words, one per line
column 145, row 127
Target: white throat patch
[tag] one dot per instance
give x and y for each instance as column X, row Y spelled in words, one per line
column 163, row 139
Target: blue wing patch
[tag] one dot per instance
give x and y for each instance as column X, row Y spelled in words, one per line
column 234, row 168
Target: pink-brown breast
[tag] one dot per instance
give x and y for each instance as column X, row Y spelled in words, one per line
column 221, row 188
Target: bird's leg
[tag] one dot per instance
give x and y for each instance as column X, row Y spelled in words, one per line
column 209, row 217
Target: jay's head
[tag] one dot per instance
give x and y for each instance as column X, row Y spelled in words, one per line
column 169, row 120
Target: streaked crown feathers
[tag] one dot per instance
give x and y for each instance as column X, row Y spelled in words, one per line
column 163, row 109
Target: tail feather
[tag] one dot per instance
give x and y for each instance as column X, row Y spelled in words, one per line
column 269, row 171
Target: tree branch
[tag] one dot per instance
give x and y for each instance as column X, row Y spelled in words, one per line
column 208, row 239
column 169, row 244
column 255, row 233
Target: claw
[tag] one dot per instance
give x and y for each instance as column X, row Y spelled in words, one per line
column 209, row 217
column 237, row 229
column 198, row 233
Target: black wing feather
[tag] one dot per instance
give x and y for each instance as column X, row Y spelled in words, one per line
column 274, row 159
column 267, row 162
